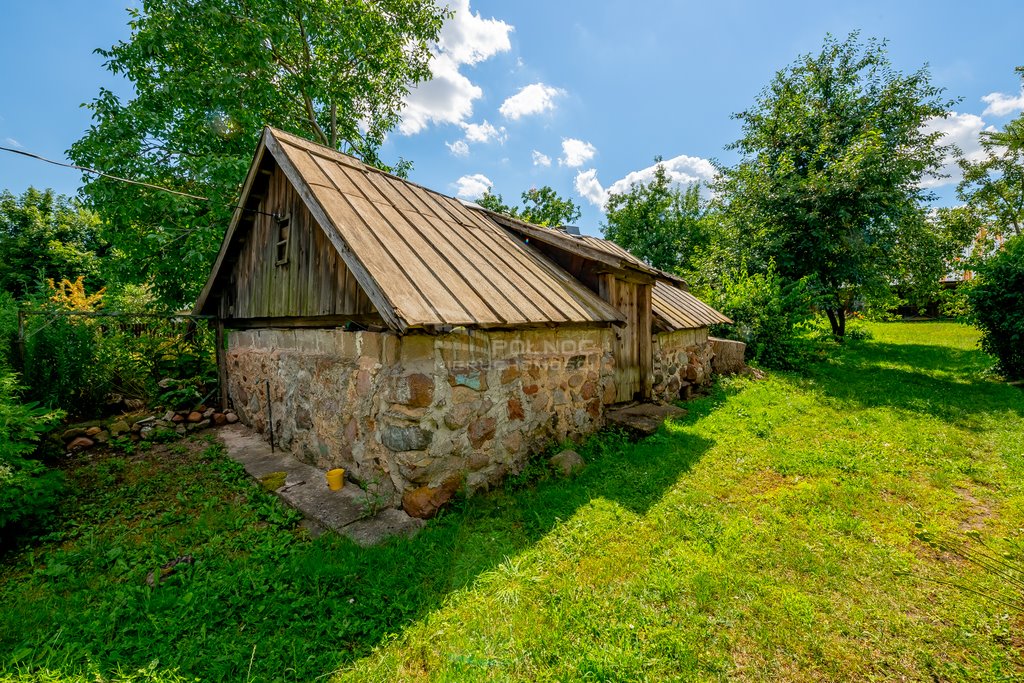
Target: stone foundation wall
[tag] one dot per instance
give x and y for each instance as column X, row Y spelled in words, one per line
column 681, row 359
column 401, row 413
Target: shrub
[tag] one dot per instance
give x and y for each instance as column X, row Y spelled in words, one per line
column 28, row 489
column 768, row 316
column 997, row 306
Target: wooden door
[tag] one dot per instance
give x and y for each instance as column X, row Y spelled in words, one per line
column 631, row 372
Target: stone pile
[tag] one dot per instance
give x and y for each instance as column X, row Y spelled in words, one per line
column 141, row 426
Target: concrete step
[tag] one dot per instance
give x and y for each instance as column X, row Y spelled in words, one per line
column 305, row 489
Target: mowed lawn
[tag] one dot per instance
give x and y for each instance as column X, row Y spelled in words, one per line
column 771, row 534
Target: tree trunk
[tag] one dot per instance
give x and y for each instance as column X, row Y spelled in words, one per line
column 837, row 318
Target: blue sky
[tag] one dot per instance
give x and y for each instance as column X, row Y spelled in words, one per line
column 577, row 95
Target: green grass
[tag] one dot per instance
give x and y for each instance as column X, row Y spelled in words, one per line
column 770, row 534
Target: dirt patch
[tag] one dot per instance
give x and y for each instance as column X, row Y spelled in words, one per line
column 980, row 511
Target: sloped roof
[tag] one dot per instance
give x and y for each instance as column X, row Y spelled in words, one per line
column 423, row 258
column 586, row 246
column 680, row 310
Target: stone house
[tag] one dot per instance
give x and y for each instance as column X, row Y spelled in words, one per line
column 424, row 343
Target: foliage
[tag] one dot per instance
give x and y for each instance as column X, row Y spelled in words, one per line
column 43, row 236
column 658, row 222
column 769, row 534
column 206, row 77
column 78, row 363
column 996, row 297
column 540, row 206
column 993, row 186
column 8, row 328
column 768, row 315
column 28, row 489
column 830, row 184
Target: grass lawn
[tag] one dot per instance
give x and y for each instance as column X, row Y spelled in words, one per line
column 772, row 533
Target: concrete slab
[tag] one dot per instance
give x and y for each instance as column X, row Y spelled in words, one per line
column 305, row 489
column 641, row 419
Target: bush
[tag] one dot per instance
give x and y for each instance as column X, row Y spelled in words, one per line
column 997, row 306
column 768, row 314
column 28, row 489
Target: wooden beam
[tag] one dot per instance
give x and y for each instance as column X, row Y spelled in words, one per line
column 309, row 322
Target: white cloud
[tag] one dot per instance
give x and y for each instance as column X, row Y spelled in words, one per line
column 541, row 159
column 589, row 187
column 472, row 186
column 448, row 96
column 484, row 132
column 469, row 39
column 682, row 172
column 1001, row 104
column 964, row 131
column 459, row 148
column 445, row 98
column 531, row 99
column 575, row 152
column 13, row 143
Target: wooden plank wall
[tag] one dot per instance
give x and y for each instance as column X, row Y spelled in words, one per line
column 626, row 296
column 314, row 281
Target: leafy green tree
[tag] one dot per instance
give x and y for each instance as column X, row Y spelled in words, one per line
column 46, row 235
column 543, row 206
column 496, row 203
column 993, row 187
column 996, row 297
column 658, row 222
column 540, row 206
column 207, row 75
column 834, row 152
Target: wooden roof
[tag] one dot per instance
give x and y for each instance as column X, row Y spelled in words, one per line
column 589, row 247
column 424, row 259
column 677, row 309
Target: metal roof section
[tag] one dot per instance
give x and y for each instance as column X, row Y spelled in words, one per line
column 677, row 309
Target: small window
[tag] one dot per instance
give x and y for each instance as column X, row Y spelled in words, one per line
column 283, row 233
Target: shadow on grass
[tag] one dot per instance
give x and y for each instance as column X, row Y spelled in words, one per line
column 946, row 383
column 260, row 591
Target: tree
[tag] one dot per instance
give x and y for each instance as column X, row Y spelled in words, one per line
column 834, row 152
column 993, row 187
column 43, row 236
column 658, row 222
column 207, row 76
column 996, row 297
column 541, row 206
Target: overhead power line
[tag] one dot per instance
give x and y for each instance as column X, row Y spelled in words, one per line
column 140, row 183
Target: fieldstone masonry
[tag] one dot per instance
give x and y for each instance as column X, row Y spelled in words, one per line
column 681, row 359
column 410, row 416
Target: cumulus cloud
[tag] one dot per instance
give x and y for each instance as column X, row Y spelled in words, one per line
column 469, row 38
column 484, row 132
column 447, row 98
column 541, row 159
column 682, row 172
column 531, row 99
column 575, row 152
column 964, row 131
column 589, row 187
column 1001, row 104
column 472, row 186
column 458, row 148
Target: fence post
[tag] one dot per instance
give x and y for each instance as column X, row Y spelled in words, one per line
column 222, row 365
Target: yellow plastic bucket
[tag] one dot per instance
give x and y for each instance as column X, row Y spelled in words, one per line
column 336, row 479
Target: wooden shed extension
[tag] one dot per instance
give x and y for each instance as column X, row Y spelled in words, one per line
column 323, row 238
